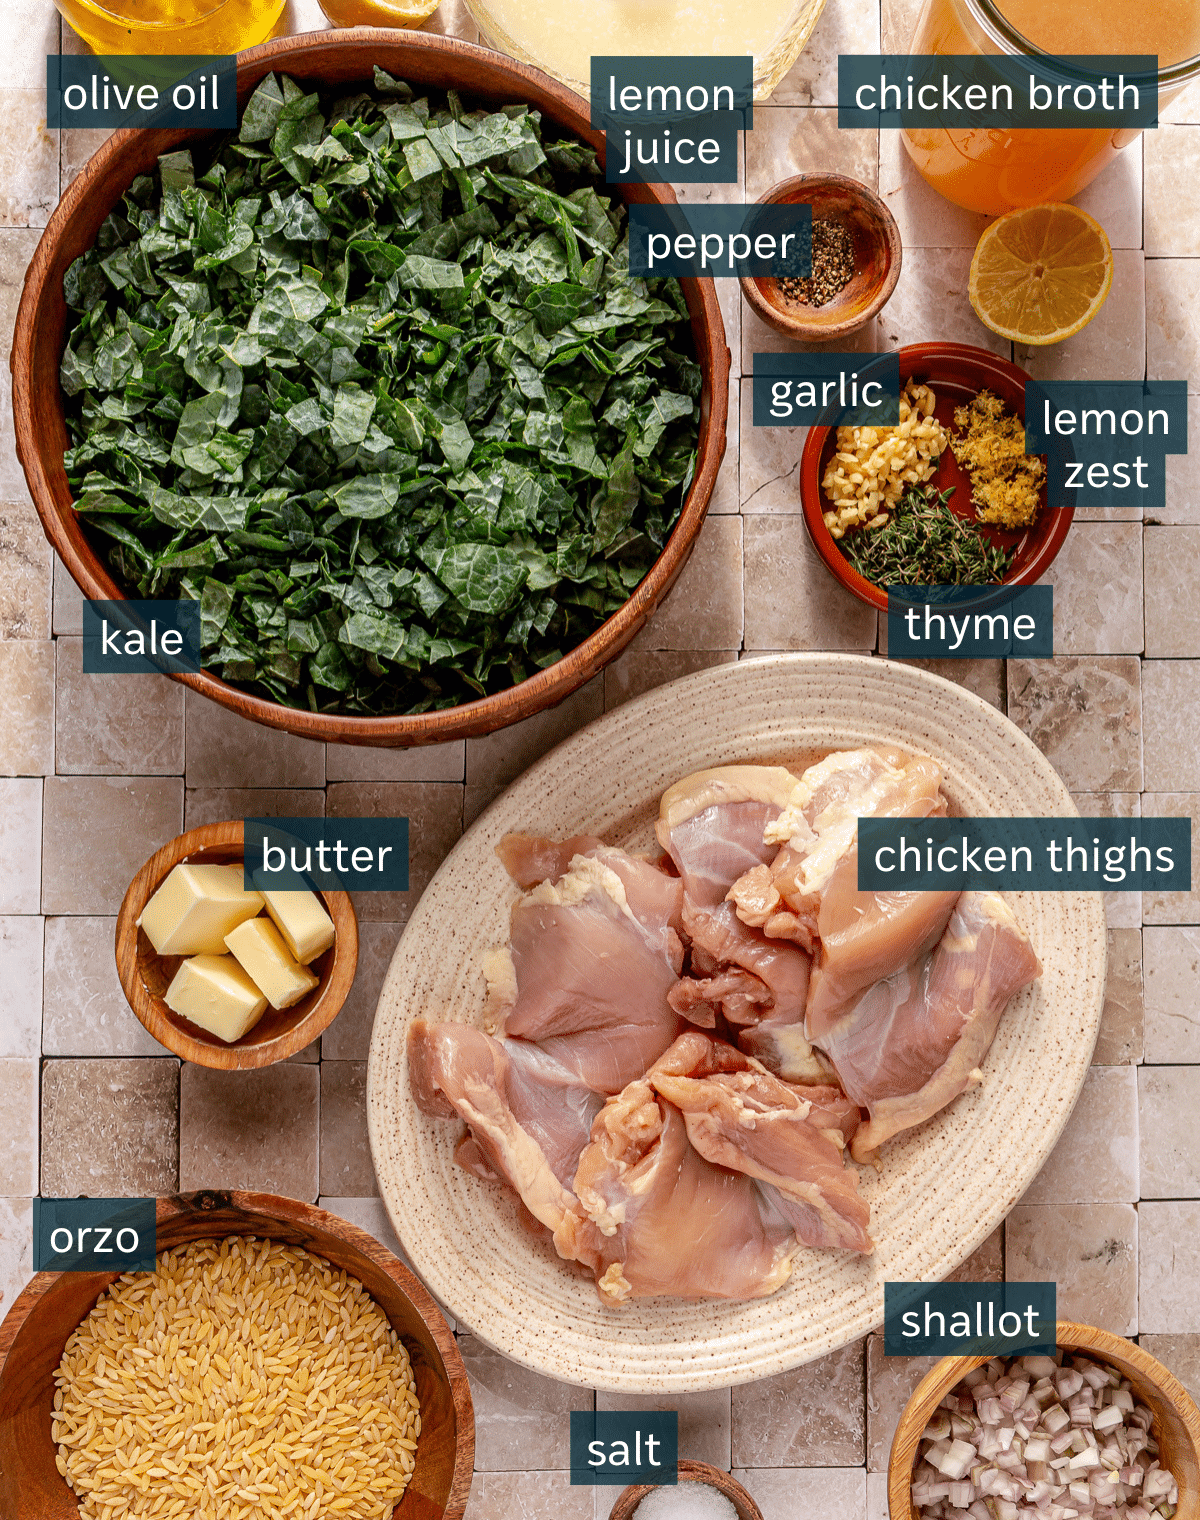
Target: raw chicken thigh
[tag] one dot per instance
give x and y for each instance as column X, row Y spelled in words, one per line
column 789, row 1139
column 660, row 1219
column 684, row 1049
column 593, row 962
column 914, row 1041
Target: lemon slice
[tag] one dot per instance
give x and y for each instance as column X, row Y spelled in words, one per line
column 1041, row 274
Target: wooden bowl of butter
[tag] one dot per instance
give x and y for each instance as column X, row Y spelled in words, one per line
column 227, row 977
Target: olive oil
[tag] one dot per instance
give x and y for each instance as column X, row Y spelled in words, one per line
column 172, row 26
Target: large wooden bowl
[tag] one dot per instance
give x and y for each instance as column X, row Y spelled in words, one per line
column 37, row 1327
column 327, row 59
column 1176, row 1424
column 690, row 1472
column 145, row 975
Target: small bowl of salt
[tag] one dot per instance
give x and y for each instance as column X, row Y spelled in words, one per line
column 702, row 1493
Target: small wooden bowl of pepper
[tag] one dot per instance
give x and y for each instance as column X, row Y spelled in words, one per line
column 956, row 372
column 855, row 264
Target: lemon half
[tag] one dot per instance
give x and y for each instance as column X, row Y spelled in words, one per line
column 1041, row 274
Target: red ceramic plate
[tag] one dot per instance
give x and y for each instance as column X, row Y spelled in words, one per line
column 957, row 372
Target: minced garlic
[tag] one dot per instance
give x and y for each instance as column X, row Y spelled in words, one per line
column 874, row 466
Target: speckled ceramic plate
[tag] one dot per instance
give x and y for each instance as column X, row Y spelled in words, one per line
column 943, row 1187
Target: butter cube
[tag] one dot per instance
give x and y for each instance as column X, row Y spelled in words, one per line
column 303, row 922
column 214, row 992
column 196, row 907
column 262, row 954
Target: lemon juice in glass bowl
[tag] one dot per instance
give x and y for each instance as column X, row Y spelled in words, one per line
column 171, row 26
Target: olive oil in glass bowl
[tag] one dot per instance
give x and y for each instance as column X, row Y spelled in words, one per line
column 171, row 26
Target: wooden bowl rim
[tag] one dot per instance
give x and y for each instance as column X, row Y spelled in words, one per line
column 165, row 1026
column 294, row 1212
column 835, row 562
column 814, row 329
column 1070, row 1335
column 547, row 687
column 725, row 1483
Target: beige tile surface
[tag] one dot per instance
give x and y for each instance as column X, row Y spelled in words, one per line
column 758, row 338
column 930, row 305
column 1097, row 580
column 1122, row 909
column 836, row 1493
column 16, row 250
column 110, row 1129
column 792, row 602
column 114, row 824
column 29, row 30
column 26, row 707
column 1169, row 1124
column 496, row 759
column 877, row 1498
column 793, row 140
column 1085, row 717
column 1113, row 345
column 1120, row 1040
column 1172, row 321
column 28, row 159
column 427, row 762
column 434, row 813
column 106, row 724
column 16, row 1248
column 1172, row 564
column 1179, row 1353
column 216, row 804
column 84, row 1011
column 522, row 1420
column 348, row 1038
column 1183, row 482
column 814, row 1416
column 1169, row 1270
column 26, row 568
column 641, row 670
column 1172, row 976
column 1090, row 1250
column 890, row 1382
column 1174, row 907
column 67, row 600
column 1172, row 159
column 226, row 750
column 1171, row 723
column 703, row 610
column 21, row 942
column 529, row 1496
column 250, row 1129
column 1096, row 1158
column 19, row 1129
column 704, row 1420
column 20, row 844
column 770, row 475
column 1115, row 198
column 346, row 1167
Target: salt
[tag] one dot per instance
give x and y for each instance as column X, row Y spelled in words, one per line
column 686, row 1501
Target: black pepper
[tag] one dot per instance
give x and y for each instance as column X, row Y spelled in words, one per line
column 832, row 266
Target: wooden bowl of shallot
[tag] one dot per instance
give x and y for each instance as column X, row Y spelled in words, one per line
column 1175, row 1420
